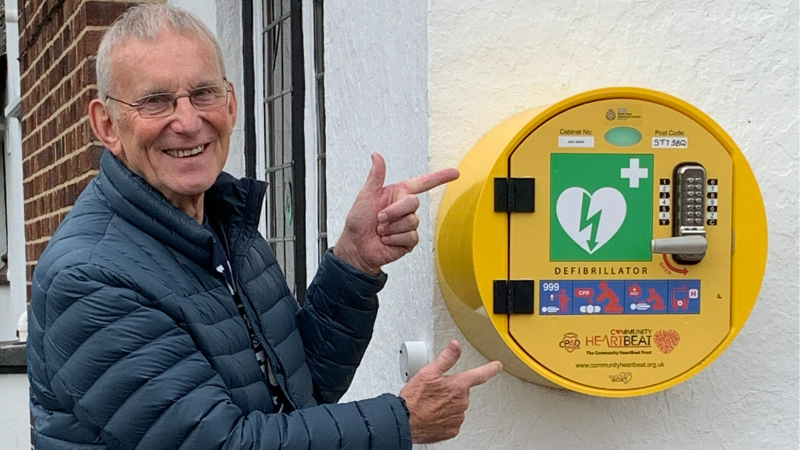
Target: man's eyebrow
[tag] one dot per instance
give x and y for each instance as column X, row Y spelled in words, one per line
column 204, row 83
column 154, row 91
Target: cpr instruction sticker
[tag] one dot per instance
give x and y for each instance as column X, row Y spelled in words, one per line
column 602, row 207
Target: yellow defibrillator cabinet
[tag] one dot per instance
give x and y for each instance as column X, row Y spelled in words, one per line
column 613, row 244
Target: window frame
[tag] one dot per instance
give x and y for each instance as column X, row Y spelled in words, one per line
column 261, row 142
column 318, row 51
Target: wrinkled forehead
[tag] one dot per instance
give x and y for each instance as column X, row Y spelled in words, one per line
column 166, row 39
column 163, row 62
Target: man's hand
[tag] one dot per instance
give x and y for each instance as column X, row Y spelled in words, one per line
column 436, row 401
column 381, row 226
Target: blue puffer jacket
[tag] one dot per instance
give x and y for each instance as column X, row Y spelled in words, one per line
column 135, row 342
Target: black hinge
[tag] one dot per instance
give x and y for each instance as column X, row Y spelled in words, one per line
column 514, row 194
column 513, row 297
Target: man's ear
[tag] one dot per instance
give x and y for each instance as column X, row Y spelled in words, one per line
column 104, row 127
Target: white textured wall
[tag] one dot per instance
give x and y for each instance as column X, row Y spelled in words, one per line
column 735, row 60
column 376, row 100
column 15, row 429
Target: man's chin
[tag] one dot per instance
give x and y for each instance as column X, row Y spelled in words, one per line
column 192, row 191
column 186, row 195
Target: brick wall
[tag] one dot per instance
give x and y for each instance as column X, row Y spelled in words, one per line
column 58, row 42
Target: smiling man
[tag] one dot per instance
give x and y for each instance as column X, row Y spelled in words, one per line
column 160, row 318
column 178, row 147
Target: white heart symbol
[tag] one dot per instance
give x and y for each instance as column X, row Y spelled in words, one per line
column 606, row 213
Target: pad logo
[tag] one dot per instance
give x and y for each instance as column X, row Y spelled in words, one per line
column 570, row 342
column 591, row 220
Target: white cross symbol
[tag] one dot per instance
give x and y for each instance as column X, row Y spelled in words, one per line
column 633, row 173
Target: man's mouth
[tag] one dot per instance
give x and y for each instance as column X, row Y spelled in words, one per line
column 185, row 153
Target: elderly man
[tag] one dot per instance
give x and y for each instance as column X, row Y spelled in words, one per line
column 160, row 318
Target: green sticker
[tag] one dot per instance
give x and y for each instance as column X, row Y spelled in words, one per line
column 623, row 136
column 601, row 207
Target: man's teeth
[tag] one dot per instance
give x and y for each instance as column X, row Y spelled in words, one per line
column 185, row 153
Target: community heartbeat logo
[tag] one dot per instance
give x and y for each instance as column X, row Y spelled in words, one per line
column 591, row 220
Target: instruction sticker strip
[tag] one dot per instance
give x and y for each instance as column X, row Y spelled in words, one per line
column 614, row 297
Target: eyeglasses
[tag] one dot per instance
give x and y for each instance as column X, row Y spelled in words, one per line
column 163, row 105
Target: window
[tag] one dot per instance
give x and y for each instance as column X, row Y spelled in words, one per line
column 280, row 144
column 277, row 55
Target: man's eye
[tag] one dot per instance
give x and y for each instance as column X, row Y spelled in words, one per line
column 208, row 90
column 205, row 92
column 155, row 100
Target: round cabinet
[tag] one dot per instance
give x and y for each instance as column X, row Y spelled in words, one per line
column 612, row 244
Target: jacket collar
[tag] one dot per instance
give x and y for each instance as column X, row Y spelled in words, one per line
column 235, row 203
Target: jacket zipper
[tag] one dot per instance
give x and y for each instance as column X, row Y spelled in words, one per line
column 251, row 312
column 257, row 324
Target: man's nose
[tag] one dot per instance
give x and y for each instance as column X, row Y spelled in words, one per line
column 186, row 119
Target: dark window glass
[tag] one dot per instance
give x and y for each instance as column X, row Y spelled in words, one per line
column 283, row 129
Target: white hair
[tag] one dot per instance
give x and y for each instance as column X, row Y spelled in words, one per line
column 145, row 22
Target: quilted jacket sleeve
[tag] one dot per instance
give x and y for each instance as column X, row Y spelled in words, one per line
column 126, row 370
column 336, row 323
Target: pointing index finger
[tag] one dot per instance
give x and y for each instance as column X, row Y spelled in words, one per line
column 428, row 181
column 481, row 374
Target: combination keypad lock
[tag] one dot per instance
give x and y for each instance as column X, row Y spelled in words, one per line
column 688, row 244
column 690, row 181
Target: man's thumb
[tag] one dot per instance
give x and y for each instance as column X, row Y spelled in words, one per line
column 377, row 174
column 447, row 359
